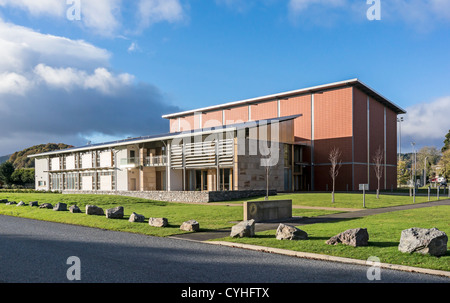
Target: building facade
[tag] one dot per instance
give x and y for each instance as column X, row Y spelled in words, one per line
column 347, row 115
column 284, row 138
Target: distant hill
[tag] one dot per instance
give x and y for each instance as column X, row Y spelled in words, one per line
column 4, row 158
column 20, row 159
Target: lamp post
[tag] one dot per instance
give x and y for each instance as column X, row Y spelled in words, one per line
column 425, row 172
column 415, row 167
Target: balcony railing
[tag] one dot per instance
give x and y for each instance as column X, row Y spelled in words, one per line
column 148, row 161
column 155, row 161
column 129, row 162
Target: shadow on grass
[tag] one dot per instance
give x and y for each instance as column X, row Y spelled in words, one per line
column 383, row 244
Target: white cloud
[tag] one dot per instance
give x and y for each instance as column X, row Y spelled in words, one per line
column 13, row 83
column 57, row 89
column 69, row 79
column 134, row 47
column 22, row 48
column 427, row 123
column 102, row 16
column 154, row 11
column 54, row 8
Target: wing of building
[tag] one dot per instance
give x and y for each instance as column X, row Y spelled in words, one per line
column 235, row 146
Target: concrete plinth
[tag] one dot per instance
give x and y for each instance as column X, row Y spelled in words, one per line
column 268, row 210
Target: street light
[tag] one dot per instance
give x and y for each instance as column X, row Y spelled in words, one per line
column 425, row 172
column 415, row 167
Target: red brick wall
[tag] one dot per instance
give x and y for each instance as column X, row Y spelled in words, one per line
column 211, row 119
column 236, row 115
column 264, row 110
column 302, row 125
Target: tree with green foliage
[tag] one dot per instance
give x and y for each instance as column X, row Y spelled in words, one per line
column 6, row 171
column 23, row 176
column 402, row 173
column 446, row 142
column 444, row 164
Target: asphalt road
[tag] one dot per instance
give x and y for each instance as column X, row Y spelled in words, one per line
column 37, row 252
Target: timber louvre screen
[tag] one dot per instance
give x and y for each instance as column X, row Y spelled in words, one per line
column 202, row 154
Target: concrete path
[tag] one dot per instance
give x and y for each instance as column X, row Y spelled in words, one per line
column 298, row 221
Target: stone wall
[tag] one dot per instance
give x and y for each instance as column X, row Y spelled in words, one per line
column 182, row 196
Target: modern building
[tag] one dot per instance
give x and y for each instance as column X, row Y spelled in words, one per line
column 235, row 146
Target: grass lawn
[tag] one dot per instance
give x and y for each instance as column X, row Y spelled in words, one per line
column 346, row 200
column 209, row 217
column 384, row 236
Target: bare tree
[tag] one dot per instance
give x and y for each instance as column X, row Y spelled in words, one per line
column 378, row 160
column 335, row 159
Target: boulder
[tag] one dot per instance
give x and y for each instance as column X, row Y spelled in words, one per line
column 134, row 217
column 158, row 222
column 21, row 203
column 425, row 241
column 243, row 229
column 74, row 209
column 115, row 213
column 190, row 225
column 288, row 232
column 46, row 205
column 94, row 210
column 60, row 207
column 353, row 237
column 34, row 203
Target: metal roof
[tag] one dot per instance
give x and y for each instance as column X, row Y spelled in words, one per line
column 352, row 82
column 167, row 136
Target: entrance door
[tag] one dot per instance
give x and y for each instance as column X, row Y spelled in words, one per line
column 201, row 180
column 133, row 184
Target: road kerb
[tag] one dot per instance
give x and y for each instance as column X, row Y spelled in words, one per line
column 329, row 258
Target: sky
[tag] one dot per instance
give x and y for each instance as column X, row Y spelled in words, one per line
column 78, row 71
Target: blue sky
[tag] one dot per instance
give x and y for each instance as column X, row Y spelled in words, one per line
column 114, row 72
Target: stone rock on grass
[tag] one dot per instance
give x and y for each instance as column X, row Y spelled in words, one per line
column 115, row 213
column 425, row 241
column 190, row 225
column 158, row 222
column 134, row 217
column 288, row 232
column 60, row 207
column 94, row 210
column 46, row 205
column 353, row 237
column 243, row 229
column 74, row 209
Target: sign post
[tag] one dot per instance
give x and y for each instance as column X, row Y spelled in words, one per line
column 364, row 187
